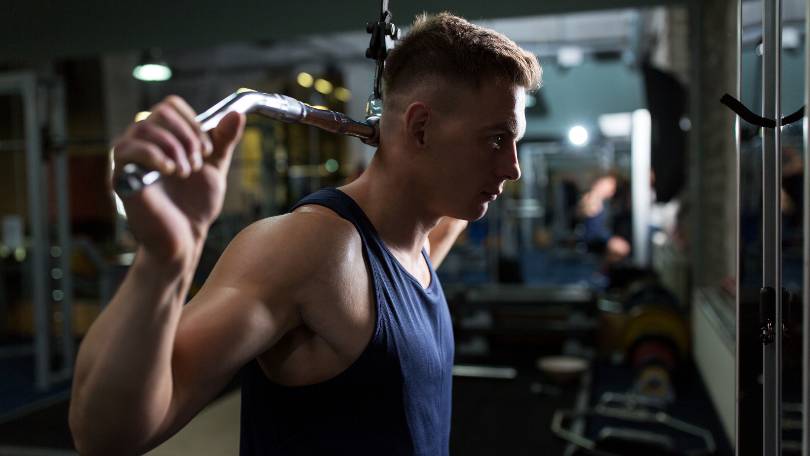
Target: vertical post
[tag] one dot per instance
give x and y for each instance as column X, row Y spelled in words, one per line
column 59, row 132
column 39, row 242
column 771, row 225
column 748, row 403
column 806, row 247
column 641, row 142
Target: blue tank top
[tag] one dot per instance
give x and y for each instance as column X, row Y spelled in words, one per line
column 395, row 399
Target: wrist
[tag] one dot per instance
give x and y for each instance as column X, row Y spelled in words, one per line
column 165, row 270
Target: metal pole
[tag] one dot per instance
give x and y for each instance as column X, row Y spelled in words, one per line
column 739, row 407
column 38, row 247
column 806, row 247
column 57, row 103
column 771, row 225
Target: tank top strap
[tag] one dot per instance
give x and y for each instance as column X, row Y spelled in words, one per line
column 344, row 206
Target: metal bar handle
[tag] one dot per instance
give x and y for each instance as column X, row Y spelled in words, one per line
column 134, row 178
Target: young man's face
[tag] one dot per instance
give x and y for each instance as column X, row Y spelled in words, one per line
column 473, row 148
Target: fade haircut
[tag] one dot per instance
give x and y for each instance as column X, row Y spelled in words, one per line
column 450, row 47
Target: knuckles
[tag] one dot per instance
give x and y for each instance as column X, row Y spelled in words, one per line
column 174, row 99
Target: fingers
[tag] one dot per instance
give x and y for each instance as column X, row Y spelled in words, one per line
column 173, row 132
column 169, row 118
column 225, row 136
column 191, row 117
column 168, row 143
column 143, row 153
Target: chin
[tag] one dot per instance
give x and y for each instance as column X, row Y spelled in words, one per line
column 476, row 213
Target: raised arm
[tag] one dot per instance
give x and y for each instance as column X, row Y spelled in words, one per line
column 149, row 364
column 134, row 382
column 442, row 238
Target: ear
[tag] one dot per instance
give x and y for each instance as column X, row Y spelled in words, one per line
column 417, row 119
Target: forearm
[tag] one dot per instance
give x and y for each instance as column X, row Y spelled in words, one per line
column 123, row 382
column 442, row 238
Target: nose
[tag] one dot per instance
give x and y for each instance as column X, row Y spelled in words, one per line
column 509, row 166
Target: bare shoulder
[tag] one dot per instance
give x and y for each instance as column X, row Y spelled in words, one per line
column 310, row 244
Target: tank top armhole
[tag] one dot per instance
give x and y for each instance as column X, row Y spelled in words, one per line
column 344, row 207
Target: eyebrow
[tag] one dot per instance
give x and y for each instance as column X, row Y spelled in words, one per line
column 510, row 126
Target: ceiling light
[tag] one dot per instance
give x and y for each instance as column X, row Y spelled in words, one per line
column 570, row 56
column 578, row 135
column 616, row 125
column 152, row 72
column 152, row 68
column 343, row 94
column 304, row 79
column 323, row 86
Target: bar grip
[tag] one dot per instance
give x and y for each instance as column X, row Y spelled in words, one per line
column 133, row 178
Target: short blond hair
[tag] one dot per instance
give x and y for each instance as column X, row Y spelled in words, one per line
column 450, row 47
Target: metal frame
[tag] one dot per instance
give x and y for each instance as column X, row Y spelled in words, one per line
column 26, row 84
column 771, row 224
column 739, row 402
column 748, row 354
column 60, row 170
column 806, row 247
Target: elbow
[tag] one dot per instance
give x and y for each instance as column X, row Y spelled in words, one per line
column 80, row 431
column 88, row 437
column 79, row 435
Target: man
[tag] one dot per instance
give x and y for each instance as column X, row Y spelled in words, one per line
column 337, row 302
column 598, row 235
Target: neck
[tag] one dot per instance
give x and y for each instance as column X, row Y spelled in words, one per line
column 395, row 206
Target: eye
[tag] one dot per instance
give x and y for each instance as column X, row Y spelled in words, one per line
column 496, row 141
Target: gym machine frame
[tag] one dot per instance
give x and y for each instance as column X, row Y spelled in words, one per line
column 771, row 295
column 770, row 331
column 30, row 88
column 806, row 246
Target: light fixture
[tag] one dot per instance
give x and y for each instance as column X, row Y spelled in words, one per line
column 570, row 56
column 616, row 125
column 305, row 79
column 152, row 68
column 323, row 86
column 343, row 94
column 578, row 135
column 331, row 165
